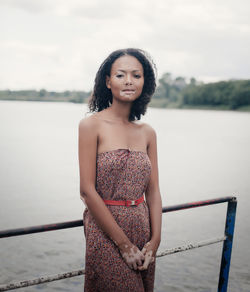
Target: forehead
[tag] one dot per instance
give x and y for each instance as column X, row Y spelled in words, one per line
column 127, row 63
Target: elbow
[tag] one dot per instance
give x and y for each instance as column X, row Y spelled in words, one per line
column 84, row 197
column 85, row 192
column 82, row 193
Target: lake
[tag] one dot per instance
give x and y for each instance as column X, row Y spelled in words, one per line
column 202, row 154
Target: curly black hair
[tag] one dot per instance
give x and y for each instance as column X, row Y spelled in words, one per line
column 101, row 96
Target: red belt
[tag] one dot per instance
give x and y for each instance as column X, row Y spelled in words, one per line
column 125, row 203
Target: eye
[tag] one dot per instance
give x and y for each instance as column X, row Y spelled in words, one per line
column 119, row 75
column 137, row 76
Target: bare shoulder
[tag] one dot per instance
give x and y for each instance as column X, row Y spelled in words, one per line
column 89, row 124
column 148, row 130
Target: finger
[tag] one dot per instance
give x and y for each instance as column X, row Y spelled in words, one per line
column 134, row 266
column 146, row 263
column 142, row 257
column 144, row 250
column 139, row 262
column 141, row 268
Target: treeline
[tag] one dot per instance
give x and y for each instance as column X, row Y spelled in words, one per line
column 231, row 94
column 179, row 93
column 44, row 95
column 171, row 93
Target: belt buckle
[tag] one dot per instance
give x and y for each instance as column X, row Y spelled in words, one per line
column 130, row 203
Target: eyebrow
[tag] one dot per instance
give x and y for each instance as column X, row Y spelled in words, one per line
column 126, row 71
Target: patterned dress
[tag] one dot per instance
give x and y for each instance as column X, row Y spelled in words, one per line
column 121, row 174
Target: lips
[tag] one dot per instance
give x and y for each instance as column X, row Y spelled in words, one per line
column 128, row 90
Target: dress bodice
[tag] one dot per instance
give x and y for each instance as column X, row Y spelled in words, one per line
column 122, row 174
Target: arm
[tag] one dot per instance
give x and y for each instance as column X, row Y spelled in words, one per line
column 88, row 135
column 153, row 199
column 153, row 196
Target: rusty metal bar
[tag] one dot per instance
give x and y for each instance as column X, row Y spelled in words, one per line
column 77, row 223
column 191, row 246
column 197, row 204
column 226, row 253
column 46, row 279
column 41, row 280
column 227, row 246
column 40, row 228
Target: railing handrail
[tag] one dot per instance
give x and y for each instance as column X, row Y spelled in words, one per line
column 78, row 223
column 226, row 251
column 50, row 278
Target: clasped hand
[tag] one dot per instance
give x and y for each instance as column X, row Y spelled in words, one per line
column 137, row 259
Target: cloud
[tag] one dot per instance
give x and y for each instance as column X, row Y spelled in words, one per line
column 60, row 44
column 28, row 6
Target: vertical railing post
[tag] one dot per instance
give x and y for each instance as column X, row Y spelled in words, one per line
column 227, row 245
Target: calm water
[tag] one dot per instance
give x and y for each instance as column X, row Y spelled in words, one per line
column 202, row 155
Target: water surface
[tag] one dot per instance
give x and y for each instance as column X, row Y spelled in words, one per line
column 202, row 154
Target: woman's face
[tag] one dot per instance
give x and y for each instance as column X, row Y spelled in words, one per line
column 126, row 78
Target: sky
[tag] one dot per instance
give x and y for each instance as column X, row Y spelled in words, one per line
column 59, row 44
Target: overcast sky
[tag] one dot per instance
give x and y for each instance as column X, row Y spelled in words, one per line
column 60, row 44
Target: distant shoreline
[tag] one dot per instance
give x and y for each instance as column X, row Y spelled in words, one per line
column 152, row 104
column 233, row 95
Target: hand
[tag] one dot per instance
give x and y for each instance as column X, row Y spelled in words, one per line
column 149, row 251
column 131, row 255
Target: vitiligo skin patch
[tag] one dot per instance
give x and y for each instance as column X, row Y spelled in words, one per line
column 127, row 94
column 148, row 257
column 132, row 256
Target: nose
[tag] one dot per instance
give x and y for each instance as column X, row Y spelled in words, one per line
column 128, row 80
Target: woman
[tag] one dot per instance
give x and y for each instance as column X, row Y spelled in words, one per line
column 118, row 166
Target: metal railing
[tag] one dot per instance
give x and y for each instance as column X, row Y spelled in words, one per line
column 226, row 251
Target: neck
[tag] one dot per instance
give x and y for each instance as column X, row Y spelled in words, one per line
column 120, row 111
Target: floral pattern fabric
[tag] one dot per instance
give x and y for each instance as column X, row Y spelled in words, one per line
column 121, row 174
